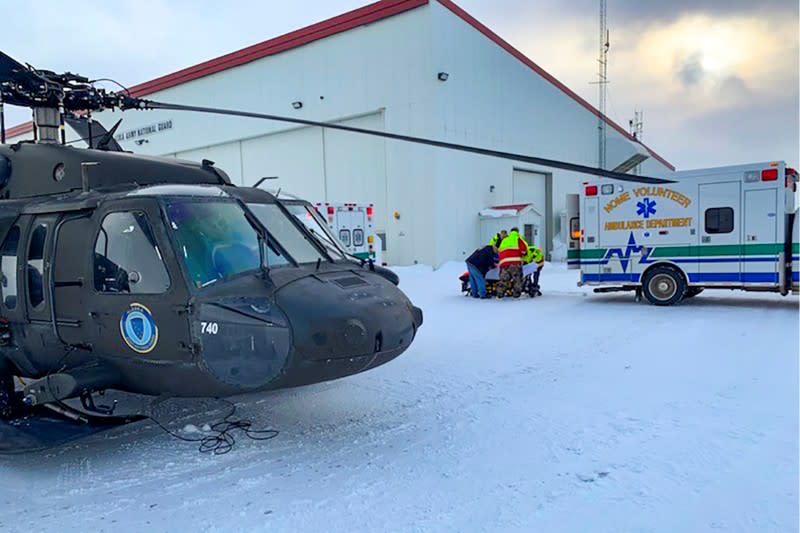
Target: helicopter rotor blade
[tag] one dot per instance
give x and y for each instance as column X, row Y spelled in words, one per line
column 17, row 81
column 552, row 163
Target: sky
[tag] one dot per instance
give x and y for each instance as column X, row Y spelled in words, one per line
column 716, row 80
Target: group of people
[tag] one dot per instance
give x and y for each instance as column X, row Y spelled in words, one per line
column 508, row 251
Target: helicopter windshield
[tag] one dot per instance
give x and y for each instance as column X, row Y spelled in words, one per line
column 280, row 226
column 309, row 217
column 216, row 241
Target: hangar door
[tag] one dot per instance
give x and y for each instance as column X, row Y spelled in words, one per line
column 530, row 188
column 323, row 165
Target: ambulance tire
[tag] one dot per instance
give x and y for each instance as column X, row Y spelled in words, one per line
column 663, row 285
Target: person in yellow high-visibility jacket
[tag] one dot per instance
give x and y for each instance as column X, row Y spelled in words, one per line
column 497, row 238
column 511, row 251
column 534, row 255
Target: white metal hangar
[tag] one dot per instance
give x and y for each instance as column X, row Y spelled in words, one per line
column 416, row 67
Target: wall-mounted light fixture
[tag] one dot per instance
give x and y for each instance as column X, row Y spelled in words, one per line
column 443, row 76
column 297, row 105
column 491, row 188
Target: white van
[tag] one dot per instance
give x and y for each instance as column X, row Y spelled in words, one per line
column 729, row 227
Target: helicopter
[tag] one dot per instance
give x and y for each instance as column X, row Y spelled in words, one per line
column 160, row 277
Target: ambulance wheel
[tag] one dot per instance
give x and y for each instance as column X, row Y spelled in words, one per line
column 664, row 286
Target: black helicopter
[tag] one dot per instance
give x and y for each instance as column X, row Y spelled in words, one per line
column 160, row 277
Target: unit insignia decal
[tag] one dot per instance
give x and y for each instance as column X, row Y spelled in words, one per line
column 139, row 329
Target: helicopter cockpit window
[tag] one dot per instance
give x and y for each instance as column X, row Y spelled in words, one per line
column 35, row 266
column 214, row 238
column 287, row 234
column 8, row 264
column 309, row 218
column 126, row 257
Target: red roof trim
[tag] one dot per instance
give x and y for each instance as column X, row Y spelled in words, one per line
column 472, row 21
column 352, row 19
column 347, row 21
column 515, row 207
column 19, row 129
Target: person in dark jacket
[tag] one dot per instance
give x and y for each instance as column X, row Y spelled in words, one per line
column 479, row 263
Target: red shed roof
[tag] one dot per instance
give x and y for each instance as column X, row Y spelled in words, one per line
column 365, row 15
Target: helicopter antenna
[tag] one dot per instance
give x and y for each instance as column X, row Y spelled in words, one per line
column 2, row 120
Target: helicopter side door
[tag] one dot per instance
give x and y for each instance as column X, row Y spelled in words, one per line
column 124, row 294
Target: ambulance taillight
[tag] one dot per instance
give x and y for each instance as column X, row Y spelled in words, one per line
column 769, row 174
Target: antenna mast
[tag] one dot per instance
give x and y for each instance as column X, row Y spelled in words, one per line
column 637, row 128
column 602, row 81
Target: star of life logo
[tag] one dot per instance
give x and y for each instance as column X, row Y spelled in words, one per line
column 646, row 207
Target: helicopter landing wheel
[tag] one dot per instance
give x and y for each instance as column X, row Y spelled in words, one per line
column 9, row 403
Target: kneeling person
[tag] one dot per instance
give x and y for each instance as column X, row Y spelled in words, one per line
column 512, row 249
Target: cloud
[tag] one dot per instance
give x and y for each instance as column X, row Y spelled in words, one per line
column 689, row 70
column 643, row 12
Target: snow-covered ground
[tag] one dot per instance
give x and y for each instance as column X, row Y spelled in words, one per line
column 570, row 412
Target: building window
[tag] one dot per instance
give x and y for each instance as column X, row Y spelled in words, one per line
column 126, row 257
column 719, row 220
column 8, row 265
column 35, row 266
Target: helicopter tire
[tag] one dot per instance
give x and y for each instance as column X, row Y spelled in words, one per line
column 9, row 405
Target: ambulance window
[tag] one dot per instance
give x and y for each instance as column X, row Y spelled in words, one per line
column 344, row 237
column 9, row 268
column 126, row 257
column 36, row 265
column 719, row 220
column 358, row 237
column 574, row 228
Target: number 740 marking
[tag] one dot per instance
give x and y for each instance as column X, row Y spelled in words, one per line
column 209, row 328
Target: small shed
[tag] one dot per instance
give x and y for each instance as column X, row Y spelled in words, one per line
column 504, row 217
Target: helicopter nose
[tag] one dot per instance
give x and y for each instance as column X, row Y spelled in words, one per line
column 355, row 321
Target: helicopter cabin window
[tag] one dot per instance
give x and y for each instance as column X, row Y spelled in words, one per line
column 214, row 239
column 280, row 226
column 126, row 257
column 8, row 265
column 35, row 267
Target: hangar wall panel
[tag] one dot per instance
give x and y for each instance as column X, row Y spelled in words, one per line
column 226, row 156
column 295, row 156
column 355, row 166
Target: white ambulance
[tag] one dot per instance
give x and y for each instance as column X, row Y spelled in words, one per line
column 730, row 227
column 353, row 224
